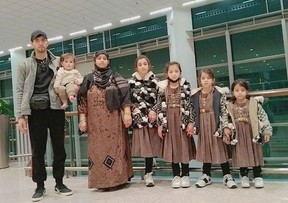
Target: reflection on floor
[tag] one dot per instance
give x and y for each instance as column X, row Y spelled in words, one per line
column 15, row 187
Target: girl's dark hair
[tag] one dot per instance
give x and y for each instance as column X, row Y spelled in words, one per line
column 170, row 64
column 209, row 72
column 242, row 83
column 142, row 57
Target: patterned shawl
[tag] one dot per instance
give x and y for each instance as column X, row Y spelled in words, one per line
column 143, row 97
column 186, row 105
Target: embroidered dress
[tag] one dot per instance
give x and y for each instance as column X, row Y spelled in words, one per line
column 210, row 148
column 108, row 152
column 245, row 153
column 145, row 139
column 177, row 146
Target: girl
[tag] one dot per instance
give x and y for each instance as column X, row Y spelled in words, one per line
column 176, row 123
column 67, row 80
column 145, row 141
column 248, row 118
column 103, row 96
column 209, row 104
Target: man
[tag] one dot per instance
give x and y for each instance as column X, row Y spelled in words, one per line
column 39, row 109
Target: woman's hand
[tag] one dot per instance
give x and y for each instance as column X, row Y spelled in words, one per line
column 127, row 120
column 190, row 129
column 83, row 126
column 152, row 116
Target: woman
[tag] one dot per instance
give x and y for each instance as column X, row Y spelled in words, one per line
column 102, row 97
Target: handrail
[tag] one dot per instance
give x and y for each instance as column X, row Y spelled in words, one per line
column 268, row 170
column 264, row 93
column 271, row 93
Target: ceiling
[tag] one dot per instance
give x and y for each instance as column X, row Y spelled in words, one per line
column 61, row 17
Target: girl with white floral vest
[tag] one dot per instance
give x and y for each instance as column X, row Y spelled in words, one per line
column 145, row 141
column 247, row 120
column 176, row 123
column 209, row 104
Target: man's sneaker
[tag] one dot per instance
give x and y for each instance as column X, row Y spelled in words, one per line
column 229, row 181
column 176, row 182
column 39, row 194
column 245, row 182
column 259, row 182
column 185, row 182
column 63, row 190
column 203, row 181
column 149, row 180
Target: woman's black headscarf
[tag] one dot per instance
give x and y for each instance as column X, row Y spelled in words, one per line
column 102, row 77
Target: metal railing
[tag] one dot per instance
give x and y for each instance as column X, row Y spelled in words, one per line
column 75, row 162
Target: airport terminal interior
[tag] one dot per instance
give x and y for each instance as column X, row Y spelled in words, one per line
column 235, row 38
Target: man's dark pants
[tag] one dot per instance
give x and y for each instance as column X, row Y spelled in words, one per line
column 39, row 121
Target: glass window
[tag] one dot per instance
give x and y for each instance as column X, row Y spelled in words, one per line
column 6, row 88
column 56, row 48
column 107, row 39
column 67, row 46
column 226, row 11
column 96, row 42
column 124, row 65
column 263, row 75
column 5, row 63
column 257, row 43
column 221, row 76
column 285, row 2
column 277, row 111
column 139, row 32
column 80, row 46
column 210, row 51
column 274, row 5
column 158, row 59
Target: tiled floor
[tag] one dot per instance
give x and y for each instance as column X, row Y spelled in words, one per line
column 16, row 187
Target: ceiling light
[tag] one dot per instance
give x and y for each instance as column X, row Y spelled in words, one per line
column 129, row 19
column 192, row 2
column 199, row 13
column 244, row 2
column 14, row 49
column 140, row 28
column 102, row 26
column 55, row 38
column 78, row 32
column 161, row 11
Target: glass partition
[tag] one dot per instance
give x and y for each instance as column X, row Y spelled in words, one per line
column 210, row 51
